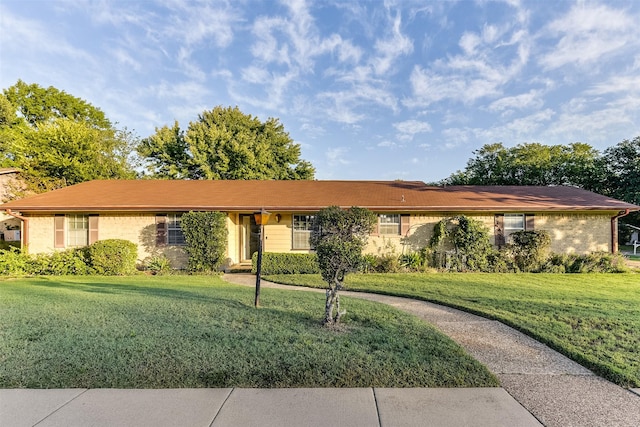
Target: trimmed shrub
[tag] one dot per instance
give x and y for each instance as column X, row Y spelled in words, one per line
column 285, row 263
column 113, row 257
column 205, row 234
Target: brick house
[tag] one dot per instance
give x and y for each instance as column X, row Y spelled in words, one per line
column 147, row 212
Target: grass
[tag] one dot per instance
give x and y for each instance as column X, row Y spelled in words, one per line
column 592, row 318
column 189, row 331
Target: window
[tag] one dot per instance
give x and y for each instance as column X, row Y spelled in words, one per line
column 513, row 223
column 77, row 230
column 389, row 224
column 174, row 231
column 302, row 227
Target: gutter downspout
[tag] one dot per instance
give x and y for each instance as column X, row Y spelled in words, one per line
column 614, row 230
column 25, row 228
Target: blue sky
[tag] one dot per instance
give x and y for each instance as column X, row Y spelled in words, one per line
column 370, row 89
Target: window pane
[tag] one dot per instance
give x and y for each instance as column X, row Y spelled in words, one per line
column 389, row 223
column 174, row 231
column 514, row 222
column 302, row 226
column 78, row 230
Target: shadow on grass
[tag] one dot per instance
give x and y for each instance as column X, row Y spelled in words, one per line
column 271, row 307
column 120, row 288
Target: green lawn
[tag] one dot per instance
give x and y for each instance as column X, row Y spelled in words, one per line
column 592, row 318
column 197, row 331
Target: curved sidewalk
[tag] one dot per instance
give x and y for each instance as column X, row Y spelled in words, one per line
column 556, row 390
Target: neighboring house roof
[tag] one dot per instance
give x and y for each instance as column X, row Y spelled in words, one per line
column 309, row 196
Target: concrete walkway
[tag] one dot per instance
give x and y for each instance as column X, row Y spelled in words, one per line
column 556, row 390
column 364, row 407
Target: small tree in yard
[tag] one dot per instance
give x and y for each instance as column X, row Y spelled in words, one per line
column 206, row 240
column 339, row 236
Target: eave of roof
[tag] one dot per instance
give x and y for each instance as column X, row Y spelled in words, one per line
column 300, row 196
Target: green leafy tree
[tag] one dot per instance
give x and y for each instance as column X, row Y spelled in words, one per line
column 37, row 105
column 56, row 139
column 339, row 237
column 206, row 240
column 224, row 143
column 621, row 170
column 620, row 179
column 530, row 164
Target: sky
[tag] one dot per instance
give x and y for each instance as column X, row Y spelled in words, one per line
column 371, row 90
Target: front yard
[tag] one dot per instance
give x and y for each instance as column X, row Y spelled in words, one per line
column 592, row 318
column 197, row 331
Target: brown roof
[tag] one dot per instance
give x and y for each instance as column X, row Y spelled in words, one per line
column 246, row 196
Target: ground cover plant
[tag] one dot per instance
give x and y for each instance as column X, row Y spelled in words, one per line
column 198, row 331
column 592, row 318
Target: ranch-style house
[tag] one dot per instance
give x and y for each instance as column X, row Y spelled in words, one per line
column 147, row 212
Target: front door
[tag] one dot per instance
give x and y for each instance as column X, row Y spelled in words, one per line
column 249, row 237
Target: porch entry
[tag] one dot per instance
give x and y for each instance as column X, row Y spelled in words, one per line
column 248, row 237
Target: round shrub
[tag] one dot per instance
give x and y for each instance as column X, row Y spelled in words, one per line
column 113, row 257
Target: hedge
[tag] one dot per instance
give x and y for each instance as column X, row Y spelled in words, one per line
column 286, row 263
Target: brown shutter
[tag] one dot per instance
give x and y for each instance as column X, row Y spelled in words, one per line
column 161, row 230
column 58, row 226
column 498, row 226
column 404, row 225
column 376, row 226
column 93, row 228
column 529, row 220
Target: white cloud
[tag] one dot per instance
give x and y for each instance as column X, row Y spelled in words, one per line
column 409, row 128
column 337, row 156
column 489, row 60
column 615, row 85
column 531, row 99
column 390, row 48
column 587, row 33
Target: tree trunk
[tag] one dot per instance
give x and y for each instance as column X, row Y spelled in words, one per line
column 332, row 312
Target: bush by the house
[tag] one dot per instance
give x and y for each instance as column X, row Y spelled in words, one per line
column 286, row 263
column 530, row 249
column 382, row 263
column 105, row 257
column 13, row 262
column 460, row 244
column 113, row 257
column 205, row 236
column 63, row 263
column 597, row 262
column 158, row 265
